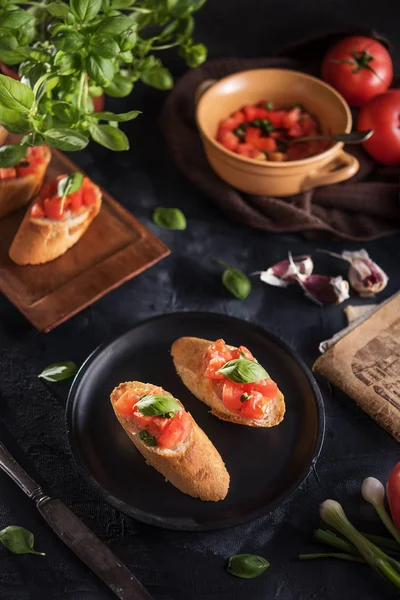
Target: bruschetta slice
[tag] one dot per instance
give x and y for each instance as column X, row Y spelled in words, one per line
column 170, row 440
column 230, row 381
column 19, row 184
column 54, row 223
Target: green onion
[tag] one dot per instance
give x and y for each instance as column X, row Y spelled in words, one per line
column 331, row 539
column 374, row 493
column 333, row 514
column 383, row 542
column 340, row 555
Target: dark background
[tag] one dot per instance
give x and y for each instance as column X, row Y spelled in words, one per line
column 179, row 566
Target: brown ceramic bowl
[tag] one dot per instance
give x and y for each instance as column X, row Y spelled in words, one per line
column 218, row 99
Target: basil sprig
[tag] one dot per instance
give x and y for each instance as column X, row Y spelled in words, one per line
column 158, row 406
column 59, row 371
column 71, row 52
column 247, row 566
column 243, row 370
column 148, row 439
column 69, row 184
column 18, row 540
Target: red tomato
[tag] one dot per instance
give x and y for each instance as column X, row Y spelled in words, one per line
column 53, row 208
column 295, row 131
column 267, row 144
column 291, row 117
column 267, row 387
column 359, row 68
column 393, row 494
column 247, row 150
column 250, row 112
column 382, row 114
column 125, row 403
column 34, row 157
column 262, row 113
column 89, row 196
column 276, row 117
column 252, row 134
column 231, row 396
column 238, row 117
column 228, row 139
column 254, row 407
column 49, row 189
column 228, row 124
column 308, row 125
column 242, row 350
column 74, row 201
column 8, row 173
column 37, row 211
column 176, row 430
column 213, row 367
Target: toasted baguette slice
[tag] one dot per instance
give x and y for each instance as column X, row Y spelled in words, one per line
column 16, row 193
column 190, row 360
column 40, row 240
column 195, row 467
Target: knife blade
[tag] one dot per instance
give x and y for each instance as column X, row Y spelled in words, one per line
column 79, row 538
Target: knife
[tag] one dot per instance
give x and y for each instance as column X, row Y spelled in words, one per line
column 86, row 545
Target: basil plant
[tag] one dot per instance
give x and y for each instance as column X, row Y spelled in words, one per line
column 66, row 54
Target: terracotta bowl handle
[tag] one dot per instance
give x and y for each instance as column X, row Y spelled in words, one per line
column 201, row 88
column 342, row 167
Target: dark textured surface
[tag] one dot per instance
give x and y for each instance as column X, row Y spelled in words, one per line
column 173, row 565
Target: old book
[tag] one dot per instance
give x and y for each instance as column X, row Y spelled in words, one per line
column 364, row 362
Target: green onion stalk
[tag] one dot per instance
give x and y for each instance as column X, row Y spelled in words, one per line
column 374, row 493
column 333, row 515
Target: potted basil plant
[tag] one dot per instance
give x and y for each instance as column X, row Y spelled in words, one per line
column 67, row 54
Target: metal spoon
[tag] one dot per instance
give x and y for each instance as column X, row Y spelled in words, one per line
column 354, row 137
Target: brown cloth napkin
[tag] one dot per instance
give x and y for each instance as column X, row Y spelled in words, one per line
column 364, row 208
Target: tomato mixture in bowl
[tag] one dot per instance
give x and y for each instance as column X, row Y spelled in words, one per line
column 165, row 431
column 249, row 400
column 52, row 206
column 262, row 132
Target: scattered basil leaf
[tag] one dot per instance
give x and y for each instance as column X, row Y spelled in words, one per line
column 59, row 371
column 15, row 95
column 109, row 116
column 66, row 139
column 85, row 9
column 109, row 137
column 69, row 184
column 11, row 154
column 157, row 405
column 119, row 87
column 18, row 540
column 236, row 282
column 243, row 370
column 159, row 78
column 169, row 218
column 148, row 439
column 247, row 566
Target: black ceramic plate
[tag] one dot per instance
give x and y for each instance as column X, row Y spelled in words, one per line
column 266, row 465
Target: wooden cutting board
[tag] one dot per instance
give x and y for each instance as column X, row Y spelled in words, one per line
column 115, row 248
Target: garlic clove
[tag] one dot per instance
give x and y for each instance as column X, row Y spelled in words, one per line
column 325, row 290
column 283, row 273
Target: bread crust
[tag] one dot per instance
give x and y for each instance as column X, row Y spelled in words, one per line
column 16, row 193
column 190, row 360
column 196, row 467
column 39, row 241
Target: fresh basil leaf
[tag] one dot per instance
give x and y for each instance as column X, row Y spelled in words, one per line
column 169, row 218
column 119, row 87
column 148, row 439
column 126, row 57
column 157, row 405
column 194, row 55
column 18, row 540
column 16, row 19
column 243, row 370
column 119, row 118
column 30, row 74
column 236, row 282
column 32, row 139
column 122, row 4
column 65, row 112
column 14, row 121
column 8, row 41
column 115, row 25
column 70, row 41
column 84, row 10
column 70, row 184
column 66, row 139
column 181, row 8
column 159, row 78
column 109, row 137
column 14, row 57
column 66, row 63
column 247, row 566
column 95, row 91
column 57, row 9
column 128, row 41
column 101, row 70
column 11, row 154
column 59, row 371
column 104, row 46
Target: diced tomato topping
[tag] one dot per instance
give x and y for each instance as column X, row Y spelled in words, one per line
column 231, row 396
column 250, row 112
column 228, row 124
column 219, row 348
column 35, row 156
column 53, row 208
column 125, row 403
column 8, row 173
column 291, row 117
column 267, row 387
column 228, row 139
column 239, row 117
column 49, row 189
column 74, row 201
column 89, row 196
column 245, row 150
column 295, row 131
column 255, row 406
column 175, row 430
column 252, row 135
column 267, row 144
column 262, row 113
column 213, row 367
column 37, row 211
column 276, row 117
column 242, row 350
